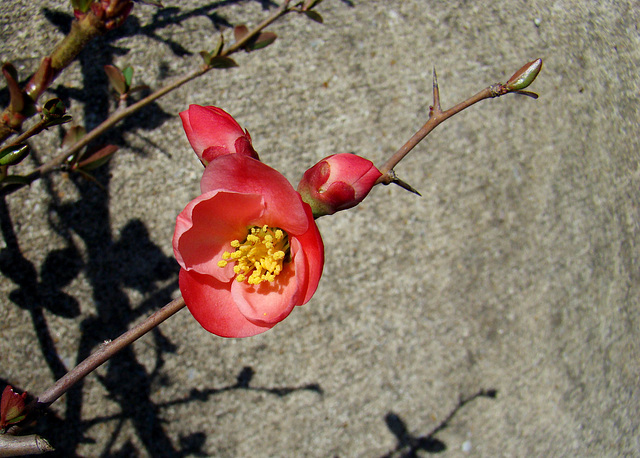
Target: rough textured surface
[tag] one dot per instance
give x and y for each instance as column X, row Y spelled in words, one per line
column 517, row 271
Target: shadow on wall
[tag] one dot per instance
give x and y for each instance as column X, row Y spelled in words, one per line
column 409, row 445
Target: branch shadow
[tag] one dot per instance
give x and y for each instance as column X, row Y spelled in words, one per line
column 112, row 263
column 409, row 445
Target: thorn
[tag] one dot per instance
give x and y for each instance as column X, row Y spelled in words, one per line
column 403, row 184
column 436, row 92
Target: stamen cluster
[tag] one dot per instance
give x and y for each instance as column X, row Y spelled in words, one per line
column 260, row 256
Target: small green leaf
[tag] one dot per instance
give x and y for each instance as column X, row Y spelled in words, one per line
column 128, row 77
column 525, row 76
column 308, row 4
column 81, row 5
column 58, row 121
column 12, row 155
column 15, row 179
column 53, row 108
column 206, row 57
column 218, row 49
column 222, row 62
column 314, row 16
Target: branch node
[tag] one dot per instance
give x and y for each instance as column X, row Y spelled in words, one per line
column 497, row 90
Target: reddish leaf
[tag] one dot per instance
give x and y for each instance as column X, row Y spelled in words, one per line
column 222, row 62
column 116, row 78
column 263, row 40
column 16, row 99
column 314, row 16
column 73, row 135
column 11, row 407
column 93, row 160
column 240, row 31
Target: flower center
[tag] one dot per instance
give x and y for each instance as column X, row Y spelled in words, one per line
column 260, row 257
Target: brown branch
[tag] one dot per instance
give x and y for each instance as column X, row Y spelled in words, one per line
column 436, row 117
column 519, row 81
column 23, row 445
column 120, row 115
column 33, row 130
column 106, row 351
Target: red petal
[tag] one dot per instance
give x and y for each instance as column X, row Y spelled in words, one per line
column 206, row 227
column 210, row 127
column 313, row 248
column 242, row 174
column 211, row 304
column 269, row 302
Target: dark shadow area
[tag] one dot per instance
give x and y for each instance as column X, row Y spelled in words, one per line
column 56, row 429
column 243, row 383
column 409, row 445
column 112, row 262
column 203, row 395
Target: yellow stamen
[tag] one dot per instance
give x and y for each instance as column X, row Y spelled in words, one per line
column 260, row 257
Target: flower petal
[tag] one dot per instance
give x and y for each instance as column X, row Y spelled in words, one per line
column 210, row 127
column 206, row 227
column 312, row 247
column 238, row 173
column 210, row 303
column 269, row 302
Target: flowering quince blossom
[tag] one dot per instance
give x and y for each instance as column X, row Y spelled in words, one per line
column 338, row 182
column 212, row 132
column 248, row 247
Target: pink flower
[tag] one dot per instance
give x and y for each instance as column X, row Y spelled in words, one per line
column 337, row 182
column 249, row 248
column 212, row 132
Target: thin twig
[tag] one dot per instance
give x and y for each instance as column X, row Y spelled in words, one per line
column 519, row 81
column 436, row 117
column 33, row 130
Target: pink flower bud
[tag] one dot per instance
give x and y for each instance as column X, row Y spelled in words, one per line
column 337, row 182
column 212, row 132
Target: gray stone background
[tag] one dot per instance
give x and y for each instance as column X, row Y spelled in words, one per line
column 517, row 271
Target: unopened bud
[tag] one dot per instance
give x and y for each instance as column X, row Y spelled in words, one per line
column 337, row 182
column 525, row 76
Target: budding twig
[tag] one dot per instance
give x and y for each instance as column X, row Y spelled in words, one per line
column 118, row 116
column 436, row 116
